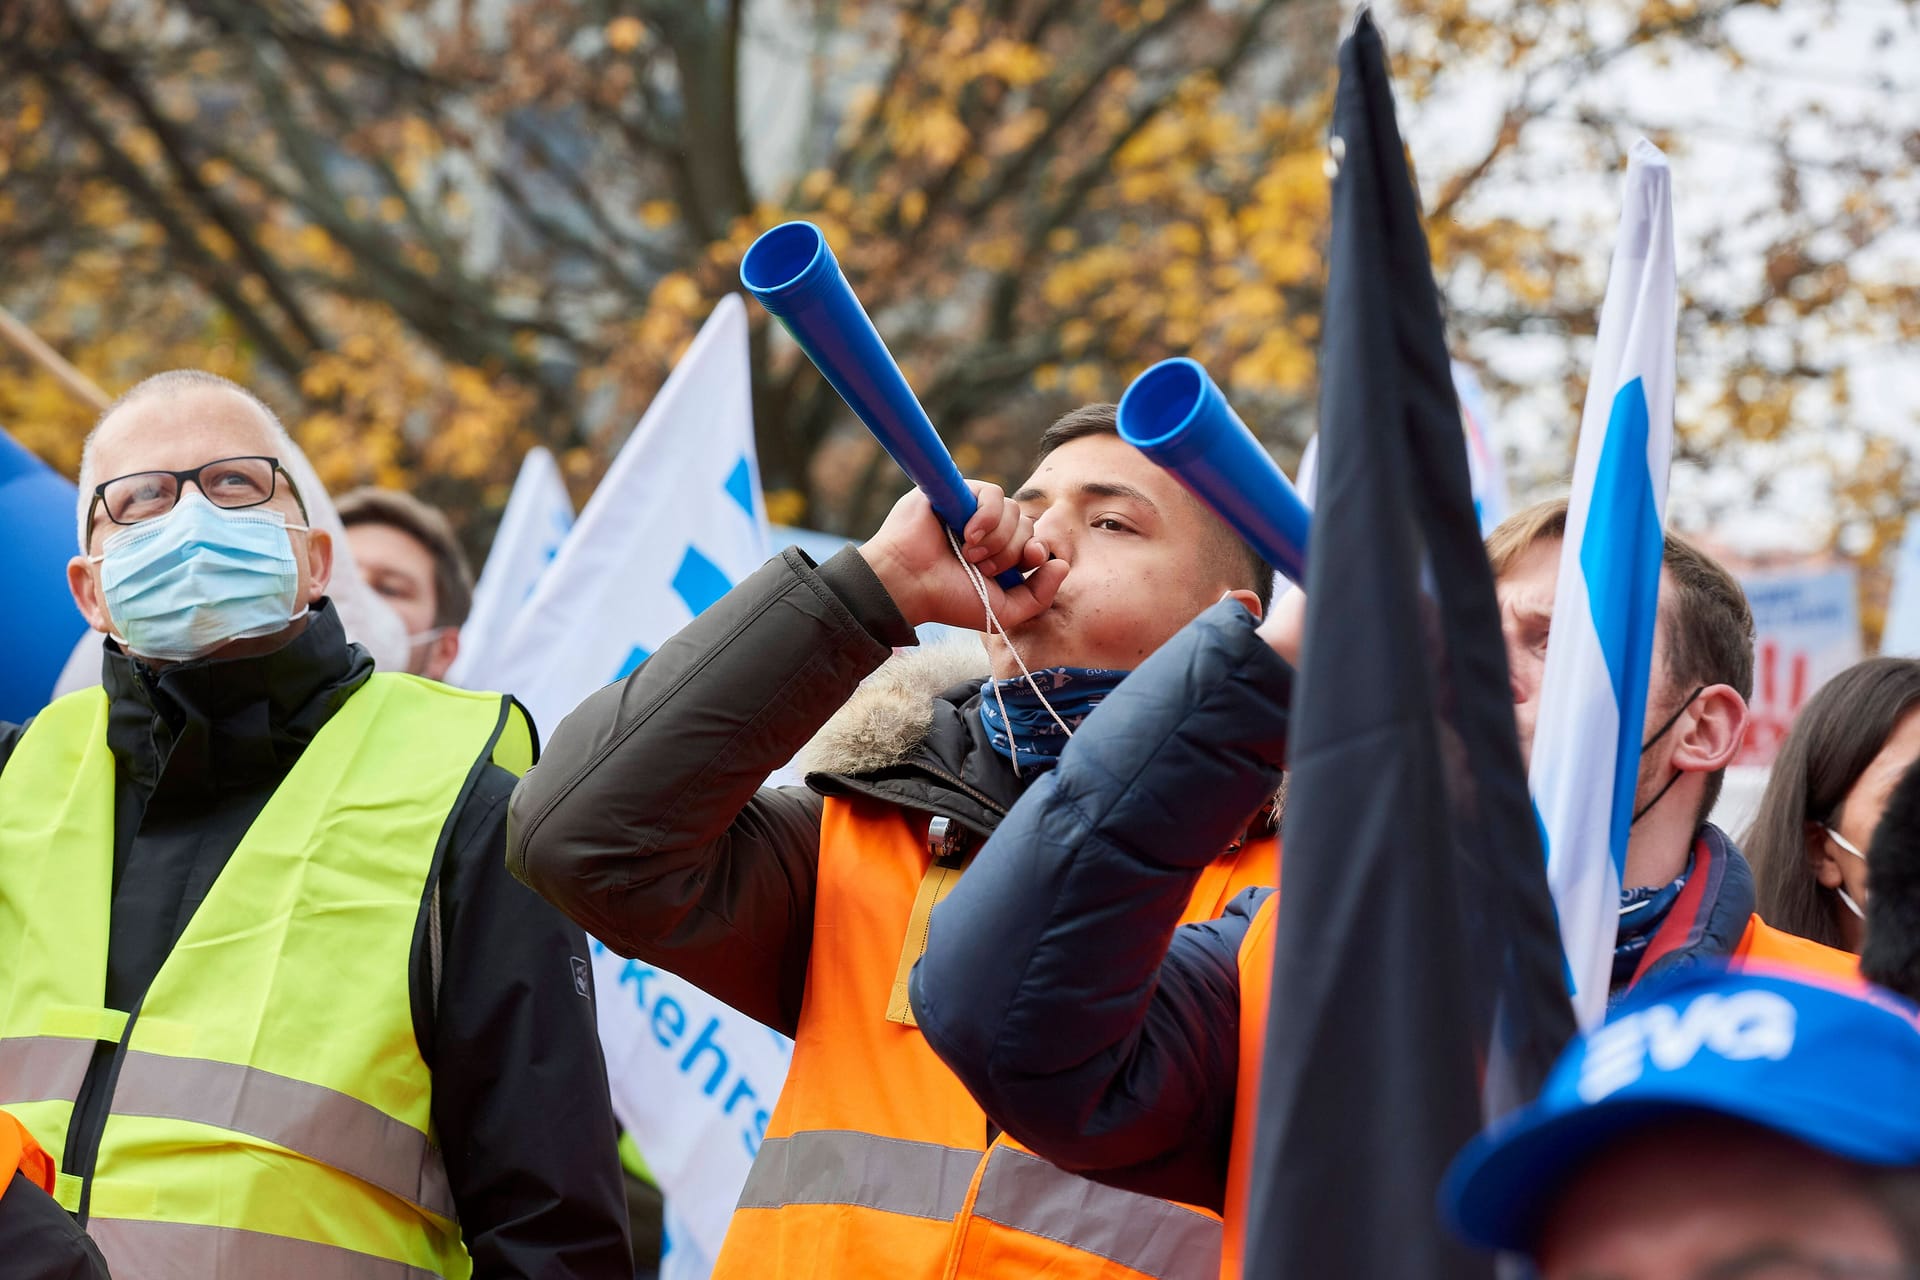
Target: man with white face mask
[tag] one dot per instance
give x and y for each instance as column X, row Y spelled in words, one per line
column 267, row 995
column 407, row 552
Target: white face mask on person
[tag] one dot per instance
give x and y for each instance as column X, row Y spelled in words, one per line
column 179, row 586
column 420, row 648
column 1847, row 844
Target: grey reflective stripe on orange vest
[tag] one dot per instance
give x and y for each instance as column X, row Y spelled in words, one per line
column 1154, row 1237
column 841, row 1166
column 43, row 1068
column 171, row 1249
column 323, row 1124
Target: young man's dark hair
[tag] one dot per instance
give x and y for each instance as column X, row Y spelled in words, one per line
column 1243, row 563
column 452, row 575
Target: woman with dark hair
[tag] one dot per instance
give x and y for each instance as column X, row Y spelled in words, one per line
column 1847, row 748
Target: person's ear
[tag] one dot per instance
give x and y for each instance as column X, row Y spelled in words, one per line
column 1822, row 858
column 445, row 648
column 1248, row 601
column 1711, row 730
column 319, row 564
column 83, row 580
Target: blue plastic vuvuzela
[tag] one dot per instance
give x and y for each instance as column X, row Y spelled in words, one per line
column 1175, row 415
column 792, row 273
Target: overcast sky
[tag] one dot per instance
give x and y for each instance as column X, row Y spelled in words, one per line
column 1837, row 80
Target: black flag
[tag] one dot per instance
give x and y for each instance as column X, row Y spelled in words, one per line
column 1417, row 972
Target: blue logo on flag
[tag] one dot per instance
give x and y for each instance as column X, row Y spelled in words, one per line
column 1620, row 558
column 699, row 582
column 740, row 485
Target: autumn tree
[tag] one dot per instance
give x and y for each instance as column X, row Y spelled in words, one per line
column 438, row 231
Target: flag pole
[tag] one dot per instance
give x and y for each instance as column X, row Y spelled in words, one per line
column 29, row 344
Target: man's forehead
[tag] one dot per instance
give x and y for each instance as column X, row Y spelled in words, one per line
column 1536, row 572
column 175, row 430
column 1102, row 463
column 392, row 546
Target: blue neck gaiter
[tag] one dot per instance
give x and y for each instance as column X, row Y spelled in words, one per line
column 1642, row 912
column 1073, row 691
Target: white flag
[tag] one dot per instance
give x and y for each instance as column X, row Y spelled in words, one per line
column 694, row 1082
column 677, row 521
column 533, row 526
column 1586, row 747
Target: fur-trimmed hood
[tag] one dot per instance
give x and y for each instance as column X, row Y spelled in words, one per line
column 887, row 721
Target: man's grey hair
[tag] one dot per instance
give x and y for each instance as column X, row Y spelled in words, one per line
column 171, row 382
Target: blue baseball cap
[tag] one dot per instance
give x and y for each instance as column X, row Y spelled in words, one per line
column 1837, row 1068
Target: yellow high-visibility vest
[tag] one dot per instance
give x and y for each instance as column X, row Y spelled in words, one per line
column 271, row 1111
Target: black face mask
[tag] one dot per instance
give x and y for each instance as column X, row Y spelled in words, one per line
column 1660, row 733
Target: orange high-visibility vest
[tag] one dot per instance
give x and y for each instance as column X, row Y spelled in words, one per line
column 19, row 1153
column 1760, row 942
column 1256, row 983
column 877, row 1162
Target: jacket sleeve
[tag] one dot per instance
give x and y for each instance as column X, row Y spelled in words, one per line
column 1053, row 981
column 40, row 1240
column 645, row 820
column 520, row 1096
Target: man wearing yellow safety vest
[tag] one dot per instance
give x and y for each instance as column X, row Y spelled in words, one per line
column 806, row 908
column 267, row 996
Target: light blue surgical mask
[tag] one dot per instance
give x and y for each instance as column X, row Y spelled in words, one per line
column 179, row 586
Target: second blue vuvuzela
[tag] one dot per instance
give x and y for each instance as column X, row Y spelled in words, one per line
column 1175, row 415
column 792, row 273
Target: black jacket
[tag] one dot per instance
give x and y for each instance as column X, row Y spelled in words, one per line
column 647, row 822
column 520, row 1097
column 1055, row 982
column 40, row 1241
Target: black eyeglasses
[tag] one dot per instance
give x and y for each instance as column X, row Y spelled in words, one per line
column 231, row 483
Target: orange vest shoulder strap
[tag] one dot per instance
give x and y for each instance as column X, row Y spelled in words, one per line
column 1762, row 941
column 1256, row 981
column 19, row 1152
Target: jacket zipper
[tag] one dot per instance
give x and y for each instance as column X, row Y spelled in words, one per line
column 99, row 1111
column 963, row 788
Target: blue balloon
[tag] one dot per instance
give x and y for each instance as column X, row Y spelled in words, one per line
column 39, row 623
column 792, row 272
column 1175, row 415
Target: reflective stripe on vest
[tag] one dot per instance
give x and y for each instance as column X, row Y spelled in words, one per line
column 1256, row 985
column 1156, row 1238
column 42, row 1068
column 323, row 1123
column 281, row 1022
column 178, row 1249
column 917, row 1179
column 1017, row 1190
column 876, row 1161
